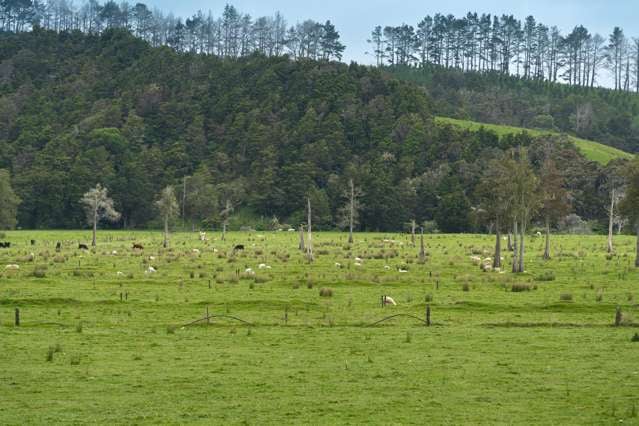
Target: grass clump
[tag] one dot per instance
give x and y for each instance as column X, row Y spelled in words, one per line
column 520, row 288
column 546, row 276
column 565, row 297
column 326, row 292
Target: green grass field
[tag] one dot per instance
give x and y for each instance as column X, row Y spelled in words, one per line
column 593, row 151
column 95, row 346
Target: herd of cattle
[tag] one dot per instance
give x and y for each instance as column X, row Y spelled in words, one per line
column 58, row 246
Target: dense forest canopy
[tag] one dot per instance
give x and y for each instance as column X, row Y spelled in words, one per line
column 253, row 116
column 259, row 133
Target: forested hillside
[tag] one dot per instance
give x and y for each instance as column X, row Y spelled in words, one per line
column 606, row 116
column 258, row 133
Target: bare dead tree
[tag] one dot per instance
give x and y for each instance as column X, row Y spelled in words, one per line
column 413, row 225
column 301, row 245
column 422, row 250
column 98, row 206
column 309, row 247
column 168, row 207
column 226, row 214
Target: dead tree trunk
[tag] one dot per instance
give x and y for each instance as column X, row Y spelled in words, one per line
column 422, row 250
column 547, row 249
column 351, row 218
column 413, row 225
column 309, row 248
column 611, row 219
column 515, row 254
column 301, row 246
column 522, row 231
column 165, row 244
column 497, row 260
column 95, row 225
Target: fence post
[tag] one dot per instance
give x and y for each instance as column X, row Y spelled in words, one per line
column 428, row 315
column 17, row 317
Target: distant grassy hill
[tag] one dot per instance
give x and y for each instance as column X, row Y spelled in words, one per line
column 593, row 151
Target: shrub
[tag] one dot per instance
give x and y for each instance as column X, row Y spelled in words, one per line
column 635, row 338
column 546, row 276
column 565, row 297
column 326, row 292
column 518, row 288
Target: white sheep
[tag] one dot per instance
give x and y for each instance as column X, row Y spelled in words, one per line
column 196, row 251
column 151, row 270
column 202, row 236
column 12, row 267
column 338, row 265
column 357, row 264
column 114, row 252
column 402, row 271
column 357, row 259
column 249, row 271
column 476, row 260
column 389, row 301
column 264, row 266
column 120, row 274
column 387, row 268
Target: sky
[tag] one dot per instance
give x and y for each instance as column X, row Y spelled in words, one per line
column 355, row 19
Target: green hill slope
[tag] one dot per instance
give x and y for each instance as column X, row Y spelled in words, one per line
column 593, row 151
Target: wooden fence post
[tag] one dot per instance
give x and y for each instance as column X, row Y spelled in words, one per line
column 17, row 317
column 428, row 315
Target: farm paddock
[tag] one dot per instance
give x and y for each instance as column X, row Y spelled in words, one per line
column 104, row 339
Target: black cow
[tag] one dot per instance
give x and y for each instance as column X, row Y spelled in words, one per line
column 33, row 242
column 58, row 246
column 238, row 247
column 137, row 246
column 5, row 244
column 83, row 247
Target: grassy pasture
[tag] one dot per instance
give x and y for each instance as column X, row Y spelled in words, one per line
column 593, row 151
column 81, row 354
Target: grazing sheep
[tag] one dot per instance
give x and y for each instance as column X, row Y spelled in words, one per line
column 291, row 229
column 196, row 251
column 538, row 234
column 338, row 265
column 476, row 260
column 151, row 270
column 202, row 236
column 357, row 259
column 263, row 266
column 389, row 301
column 120, row 274
column 114, row 252
column 151, row 257
column 402, row 271
column 358, row 264
column 249, row 271
column 387, row 268
column 12, row 267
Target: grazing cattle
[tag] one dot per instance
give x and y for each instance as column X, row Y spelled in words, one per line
column 58, row 246
column 137, row 246
column 83, row 247
column 389, row 301
column 238, row 247
column 5, row 244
